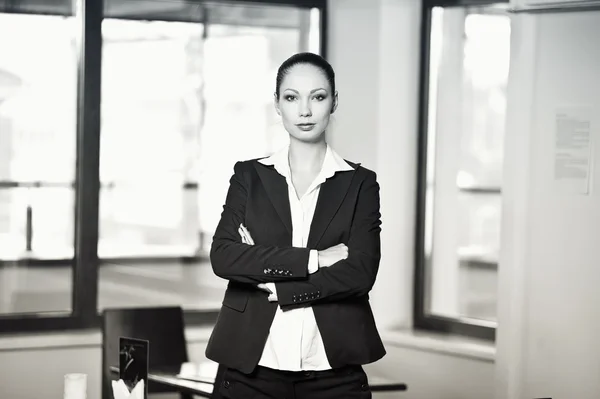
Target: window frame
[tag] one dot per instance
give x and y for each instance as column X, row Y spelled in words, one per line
column 85, row 264
column 422, row 319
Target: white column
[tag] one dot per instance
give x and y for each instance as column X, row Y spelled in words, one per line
column 374, row 49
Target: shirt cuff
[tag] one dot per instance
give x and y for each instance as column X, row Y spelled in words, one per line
column 273, row 294
column 313, row 261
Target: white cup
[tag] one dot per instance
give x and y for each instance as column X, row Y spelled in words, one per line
column 75, row 386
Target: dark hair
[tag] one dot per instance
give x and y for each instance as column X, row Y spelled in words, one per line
column 305, row 58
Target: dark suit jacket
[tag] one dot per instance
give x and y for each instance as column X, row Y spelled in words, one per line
column 347, row 212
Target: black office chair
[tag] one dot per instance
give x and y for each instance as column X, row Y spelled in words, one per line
column 163, row 327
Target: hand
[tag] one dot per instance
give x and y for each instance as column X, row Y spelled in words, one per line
column 263, row 286
column 331, row 255
column 245, row 234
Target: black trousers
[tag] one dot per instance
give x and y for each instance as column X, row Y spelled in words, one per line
column 265, row 383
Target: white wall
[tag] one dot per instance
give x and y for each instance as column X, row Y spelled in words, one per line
column 376, row 124
column 549, row 274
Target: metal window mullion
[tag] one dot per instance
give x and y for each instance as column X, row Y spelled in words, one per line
column 421, row 318
column 420, row 281
column 88, row 13
column 560, row 7
column 323, row 27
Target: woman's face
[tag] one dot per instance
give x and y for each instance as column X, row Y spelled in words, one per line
column 305, row 102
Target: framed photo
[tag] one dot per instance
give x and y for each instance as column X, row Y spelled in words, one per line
column 133, row 362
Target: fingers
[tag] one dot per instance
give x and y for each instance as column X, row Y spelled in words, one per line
column 264, row 287
column 245, row 234
column 341, row 249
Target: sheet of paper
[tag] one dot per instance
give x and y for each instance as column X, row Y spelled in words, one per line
column 573, row 151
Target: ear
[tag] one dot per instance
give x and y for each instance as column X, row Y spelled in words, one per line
column 276, row 103
column 335, row 102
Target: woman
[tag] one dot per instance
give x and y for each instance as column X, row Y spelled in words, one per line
column 299, row 242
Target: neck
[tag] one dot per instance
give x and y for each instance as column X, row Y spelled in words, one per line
column 306, row 157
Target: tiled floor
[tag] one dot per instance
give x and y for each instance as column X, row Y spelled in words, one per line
column 49, row 289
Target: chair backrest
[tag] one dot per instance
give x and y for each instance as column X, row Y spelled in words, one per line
column 163, row 327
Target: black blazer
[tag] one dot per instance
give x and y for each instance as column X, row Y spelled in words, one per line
column 347, row 212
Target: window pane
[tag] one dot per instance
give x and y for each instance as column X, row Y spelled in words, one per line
column 467, row 100
column 180, row 104
column 151, row 114
column 38, row 79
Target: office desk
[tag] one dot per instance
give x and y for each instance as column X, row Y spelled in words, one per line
column 204, row 389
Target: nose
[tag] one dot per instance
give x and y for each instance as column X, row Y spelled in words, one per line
column 305, row 110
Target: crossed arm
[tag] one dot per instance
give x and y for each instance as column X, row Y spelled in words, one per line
column 234, row 260
column 291, row 282
column 316, row 260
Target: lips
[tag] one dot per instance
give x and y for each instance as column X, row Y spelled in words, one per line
column 305, row 124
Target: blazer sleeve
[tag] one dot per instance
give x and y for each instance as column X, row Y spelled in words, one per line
column 353, row 276
column 233, row 260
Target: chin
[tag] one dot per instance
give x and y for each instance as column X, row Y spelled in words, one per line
column 306, row 137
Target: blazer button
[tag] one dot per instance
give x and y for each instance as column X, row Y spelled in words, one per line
column 226, row 384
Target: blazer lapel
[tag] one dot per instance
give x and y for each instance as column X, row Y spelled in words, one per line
column 331, row 195
column 277, row 191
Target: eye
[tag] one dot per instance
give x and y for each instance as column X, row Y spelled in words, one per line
column 289, row 97
column 320, row 97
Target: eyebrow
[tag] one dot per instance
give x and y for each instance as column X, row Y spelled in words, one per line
column 312, row 91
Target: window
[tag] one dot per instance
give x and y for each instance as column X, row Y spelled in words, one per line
column 165, row 87
column 461, row 175
column 38, row 78
column 174, row 96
